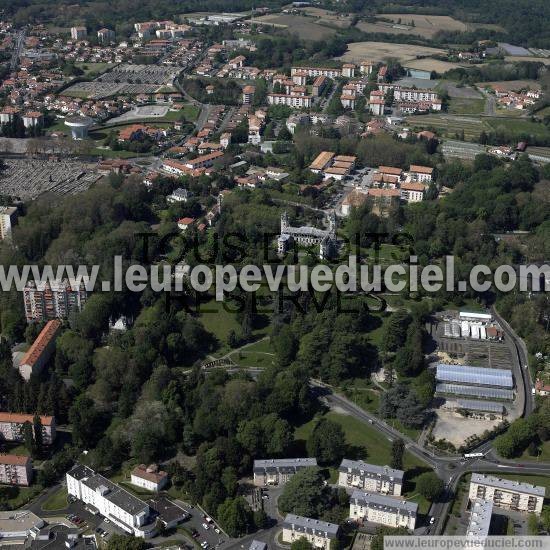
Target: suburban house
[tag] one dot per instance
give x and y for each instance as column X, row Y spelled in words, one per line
column 382, row 509
column 370, row 477
column 318, row 533
column 277, row 471
column 178, row 195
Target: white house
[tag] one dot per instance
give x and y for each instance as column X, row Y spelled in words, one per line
column 149, row 477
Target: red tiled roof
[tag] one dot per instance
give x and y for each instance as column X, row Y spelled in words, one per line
column 41, row 342
column 14, row 460
column 18, row 418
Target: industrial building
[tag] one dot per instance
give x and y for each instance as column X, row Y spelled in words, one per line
column 475, row 376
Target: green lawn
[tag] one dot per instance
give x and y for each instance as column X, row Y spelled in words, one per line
column 22, row 496
column 463, row 106
column 520, row 126
column 56, row 501
column 543, row 457
column 108, row 153
column 219, row 319
column 94, row 69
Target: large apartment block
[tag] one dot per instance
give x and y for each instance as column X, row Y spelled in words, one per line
column 371, row 478
column 45, row 300
column 382, row 509
column 507, row 494
column 11, row 427
column 301, row 101
column 318, row 533
column 15, row 470
column 41, row 350
column 8, row 215
column 277, row 471
column 125, row 510
column 480, row 518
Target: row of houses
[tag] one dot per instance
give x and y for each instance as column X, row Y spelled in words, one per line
column 333, row 166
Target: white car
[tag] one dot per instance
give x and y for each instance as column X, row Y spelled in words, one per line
column 205, row 526
column 217, row 530
column 432, row 520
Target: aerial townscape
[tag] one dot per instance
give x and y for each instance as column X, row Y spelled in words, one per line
column 155, row 140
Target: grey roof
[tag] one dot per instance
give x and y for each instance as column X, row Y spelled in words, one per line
column 475, row 391
column 475, row 375
column 112, row 492
column 283, row 464
column 509, row 485
column 257, row 545
column 480, row 518
column 371, row 471
column 382, row 502
column 302, row 524
column 476, row 405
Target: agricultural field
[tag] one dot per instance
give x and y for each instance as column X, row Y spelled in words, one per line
column 447, row 125
column 327, row 17
column 425, row 25
column 306, row 27
column 511, row 85
column 357, row 51
column 521, row 126
column 430, row 64
column 464, row 106
column 516, row 58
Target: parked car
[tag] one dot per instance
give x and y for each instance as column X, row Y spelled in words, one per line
column 205, row 526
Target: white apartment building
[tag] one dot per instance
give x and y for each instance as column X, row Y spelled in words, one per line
column 125, row 510
column 409, row 94
column 78, row 33
column 422, row 174
column 331, row 72
column 318, row 533
column 149, row 477
column 480, row 518
column 507, row 494
column 296, row 101
column 8, row 215
column 382, row 509
column 277, row 471
column 369, row 477
column 15, row 470
column 11, row 427
column 412, row 191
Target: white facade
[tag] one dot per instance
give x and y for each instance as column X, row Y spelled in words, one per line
column 382, row 510
column 301, row 101
column 125, row 510
column 507, row 494
column 317, row 533
column 371, row 478
column 7, row 219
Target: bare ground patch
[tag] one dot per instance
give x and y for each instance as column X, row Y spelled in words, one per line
column 357, row 51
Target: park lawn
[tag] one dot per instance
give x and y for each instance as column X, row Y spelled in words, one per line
column 219, row 319
column 56, row 501
column 94, row 68
column 245, row 358
column 464, row 106
column 543, row 457
column 365, row 442
column 190, row 112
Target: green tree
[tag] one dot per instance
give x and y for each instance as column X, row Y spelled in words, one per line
column 305, row 494
column 397, row 452
column 327, row 442
column 37, row 432
column 235, row 516
column 429, row 485
column 301, row 544
column 126, row 542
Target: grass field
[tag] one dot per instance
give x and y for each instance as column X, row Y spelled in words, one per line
column 327, row 17
column 23, row 495
column 520, row 126
column 91, row 69
column 425, row 25
column 56, row 501
column 306, row 27
column 543, row 457
column 365, row 443
column 511, row 85
column 460, row 106
column 357, row 51
column 430, row 64
column 448, row 125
